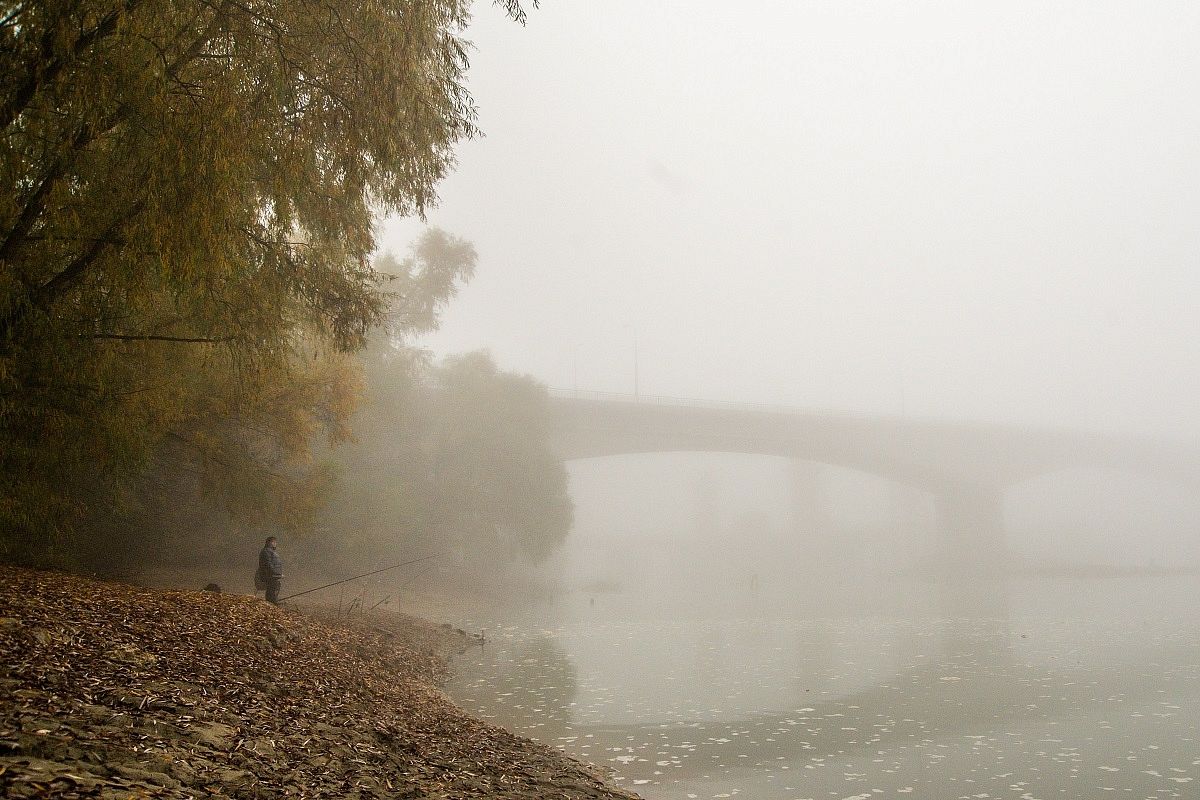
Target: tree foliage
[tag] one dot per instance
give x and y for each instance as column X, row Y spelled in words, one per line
column 187, row 194
column 452, row 459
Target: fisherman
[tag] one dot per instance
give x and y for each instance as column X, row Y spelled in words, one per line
column 270, row 570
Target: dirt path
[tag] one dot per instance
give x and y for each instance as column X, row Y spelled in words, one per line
column 114, row 691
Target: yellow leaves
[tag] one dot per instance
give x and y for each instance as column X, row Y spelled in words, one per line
column 208, row 171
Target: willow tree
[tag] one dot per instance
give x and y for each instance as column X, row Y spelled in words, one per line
column 187, row 192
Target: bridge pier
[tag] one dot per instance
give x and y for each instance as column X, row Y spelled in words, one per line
column 971, row 539
column 809, row 518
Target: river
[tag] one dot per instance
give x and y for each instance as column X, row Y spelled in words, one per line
column 1029, row 689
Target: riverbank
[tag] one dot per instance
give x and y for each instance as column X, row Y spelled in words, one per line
column 108, row 690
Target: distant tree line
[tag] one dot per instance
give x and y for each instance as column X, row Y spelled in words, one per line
column 449, row 459
column 187, row 195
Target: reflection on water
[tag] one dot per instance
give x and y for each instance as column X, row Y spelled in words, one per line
column 1007, row 700
column 529, row 679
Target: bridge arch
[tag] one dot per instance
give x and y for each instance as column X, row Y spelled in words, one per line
column 967, row 467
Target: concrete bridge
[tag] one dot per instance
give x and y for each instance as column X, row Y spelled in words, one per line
column 966, row 466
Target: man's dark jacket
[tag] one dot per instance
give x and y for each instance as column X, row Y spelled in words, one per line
column 270, row 565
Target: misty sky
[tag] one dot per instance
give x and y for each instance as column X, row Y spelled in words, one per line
column 972, row 210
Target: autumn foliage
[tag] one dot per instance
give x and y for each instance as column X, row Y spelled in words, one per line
column 187, row 195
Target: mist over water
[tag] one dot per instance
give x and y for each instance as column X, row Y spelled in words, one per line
column 1034, row 687
column 948, row 251
column 720, row 634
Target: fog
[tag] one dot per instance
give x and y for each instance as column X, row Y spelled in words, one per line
column 967, row 228
column 919, row 210
column 724, row 521
column 974, row 211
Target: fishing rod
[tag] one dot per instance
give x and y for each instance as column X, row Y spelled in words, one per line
column 389, row 597
column 356, row 577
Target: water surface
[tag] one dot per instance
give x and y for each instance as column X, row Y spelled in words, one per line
column 1036, row 689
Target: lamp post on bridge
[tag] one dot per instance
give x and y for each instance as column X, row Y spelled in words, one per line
column 636, row 393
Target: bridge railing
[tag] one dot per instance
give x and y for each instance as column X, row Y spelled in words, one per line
column 690, row 402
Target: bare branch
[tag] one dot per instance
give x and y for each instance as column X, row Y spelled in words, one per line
column 514, row 9
column 128, row 337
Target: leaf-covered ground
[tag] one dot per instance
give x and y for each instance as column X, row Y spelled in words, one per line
column 109, row 690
